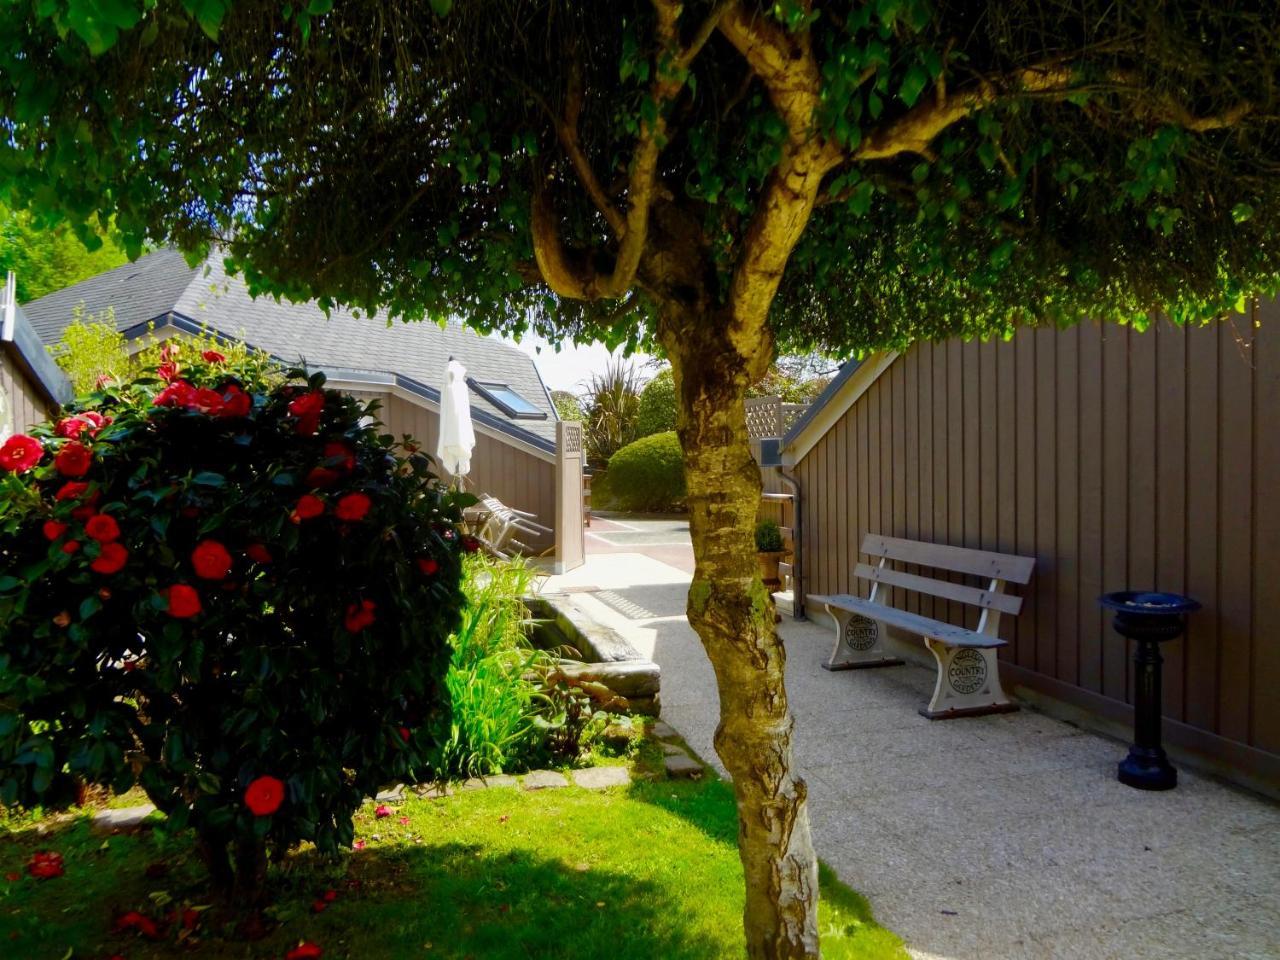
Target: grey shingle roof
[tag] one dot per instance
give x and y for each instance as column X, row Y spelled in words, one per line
column 161, row 285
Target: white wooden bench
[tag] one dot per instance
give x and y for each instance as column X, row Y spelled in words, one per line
column 968, row 680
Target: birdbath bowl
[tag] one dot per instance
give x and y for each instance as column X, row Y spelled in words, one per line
column 1149, row 619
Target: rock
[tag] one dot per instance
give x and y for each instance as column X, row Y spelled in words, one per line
column 683, row 767
column 122, row 818
column 544, row 780
column 598, row 778
column 393, row 795
column 627, row 678
column 432, row 791
column 618, row 736
column 475, row 783
column 673, row 750
column 663, row 731
column 501, row 780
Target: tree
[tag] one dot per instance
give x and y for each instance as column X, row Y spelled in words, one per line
column 222, row 585
column 568, row 406
column 47, row 258
column 725, row 177
column 657, row 413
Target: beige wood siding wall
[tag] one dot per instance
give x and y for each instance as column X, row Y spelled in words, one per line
column 24, row 397
column 1118, row 460
column 517, row 478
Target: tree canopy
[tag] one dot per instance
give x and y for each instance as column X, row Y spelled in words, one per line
column 45, row 260
column 984, row 163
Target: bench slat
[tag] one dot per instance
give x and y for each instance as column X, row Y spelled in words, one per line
column 974, row 596
column 981, row 563
column 911, row 622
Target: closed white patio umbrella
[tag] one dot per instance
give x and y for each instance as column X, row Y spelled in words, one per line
column 457, row 438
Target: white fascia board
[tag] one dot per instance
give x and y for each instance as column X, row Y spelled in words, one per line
column 837, row 406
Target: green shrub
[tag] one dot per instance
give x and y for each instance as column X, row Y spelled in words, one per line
column 611, row 403
column 768, row 536
column 648, row 474
column 568, row 406
column 657, row 413
column 494, row 695
column 219, row 583
column 91, row 348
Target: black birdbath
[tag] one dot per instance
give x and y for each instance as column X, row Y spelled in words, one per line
column 1148, row 619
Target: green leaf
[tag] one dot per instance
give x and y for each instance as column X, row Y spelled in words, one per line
column 89, row 606
column 913, row 84
column 208, row 478
column 441, row 7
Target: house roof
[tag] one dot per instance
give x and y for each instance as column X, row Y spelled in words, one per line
column 161, row 288
column 852, row 381
column 20, row 340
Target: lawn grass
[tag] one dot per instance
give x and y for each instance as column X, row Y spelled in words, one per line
column 637, row 873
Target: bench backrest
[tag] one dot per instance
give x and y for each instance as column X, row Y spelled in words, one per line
column 999, row 568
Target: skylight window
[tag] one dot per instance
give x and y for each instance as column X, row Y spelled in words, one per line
column 502, row 396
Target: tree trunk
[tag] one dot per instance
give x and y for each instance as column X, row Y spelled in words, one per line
column 733, row 615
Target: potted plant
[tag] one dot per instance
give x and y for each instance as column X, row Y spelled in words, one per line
column 769, row 549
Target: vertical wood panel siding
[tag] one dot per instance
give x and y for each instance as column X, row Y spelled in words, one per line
column 1119, row 460
column 517, row 478
column 24, row 398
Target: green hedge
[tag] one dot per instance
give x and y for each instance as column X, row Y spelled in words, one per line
column 648, row 474
column 657, row 412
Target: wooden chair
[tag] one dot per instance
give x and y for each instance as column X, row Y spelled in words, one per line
column 968, row 680
column 501, row 524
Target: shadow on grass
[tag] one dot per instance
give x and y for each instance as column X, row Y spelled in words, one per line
column 446, row 899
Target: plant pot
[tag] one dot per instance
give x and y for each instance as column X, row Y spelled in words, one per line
column 769, row 565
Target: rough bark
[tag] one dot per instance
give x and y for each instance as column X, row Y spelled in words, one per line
column 733, row 614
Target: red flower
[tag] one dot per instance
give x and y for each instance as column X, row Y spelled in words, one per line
column 90, row 421
column 308, row 403
column 177, row 394
column 307, row 508
column 168, row 371
column 319, row 906
column 305, row 951
column 20, row 453
column 133, row 920
column 382, row 810
column 208, row 401
column 52, row 529
column 470, row 544
column 213, row 356
column 428, row 565
column 405, row 734
column 72, row 490
column 353, row 507
column 329, row 896
column 264, row 796
column 111, row 559
column 211, row 560
column 307, row 425
column 102, row 528
column 70, row 547
column 45, row 865
column 335, row 449
column 404, row 821
column 73, row 460
column 184, row 601
column 322, row 477
column 360, row 615
column 357, row 845
column 258, row 553
column 235, row 402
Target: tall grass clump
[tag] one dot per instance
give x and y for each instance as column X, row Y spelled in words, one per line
column 492, row 674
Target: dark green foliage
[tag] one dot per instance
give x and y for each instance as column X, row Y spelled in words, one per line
column 104, row 680
column 648, row 474
column 657, row 413
column 1146, row 177
column 768, row 536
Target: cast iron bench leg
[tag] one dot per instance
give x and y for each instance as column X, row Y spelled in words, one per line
column 859, row 642
column 968, row 682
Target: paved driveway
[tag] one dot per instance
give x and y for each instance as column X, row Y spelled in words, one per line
column 978, row 839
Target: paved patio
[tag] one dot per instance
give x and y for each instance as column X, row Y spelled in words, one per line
column 980, row 839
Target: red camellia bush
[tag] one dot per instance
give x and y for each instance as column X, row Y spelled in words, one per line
column 222, row 583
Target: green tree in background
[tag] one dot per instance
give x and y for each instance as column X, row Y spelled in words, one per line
column 730, row 178
column 568, row 406
column 657, row 413
column 50, row 258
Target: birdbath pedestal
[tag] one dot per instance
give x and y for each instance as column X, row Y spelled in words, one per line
column 1148, row 619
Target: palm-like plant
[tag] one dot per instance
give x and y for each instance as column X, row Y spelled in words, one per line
column 613, row 406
